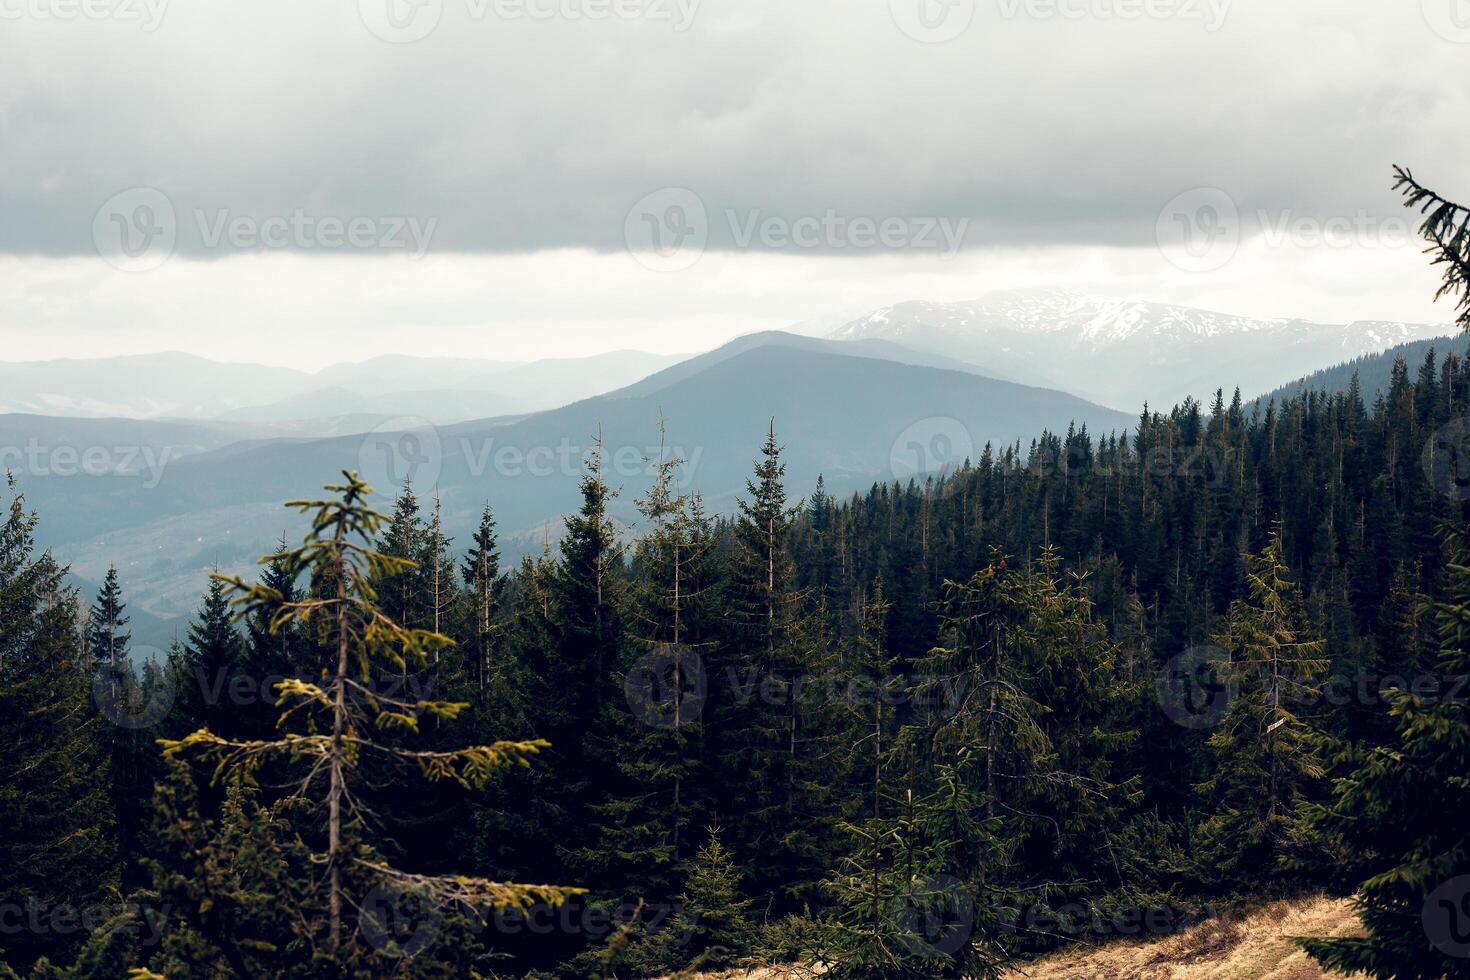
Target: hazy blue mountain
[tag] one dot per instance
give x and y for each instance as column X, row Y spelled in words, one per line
column 853, row 419
column 142, row 386
column 339, row 398
column 881, row 349
column 323, row 410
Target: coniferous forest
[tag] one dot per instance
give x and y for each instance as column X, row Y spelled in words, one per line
column 1097, row 685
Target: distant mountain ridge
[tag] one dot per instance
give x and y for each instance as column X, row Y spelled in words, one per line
column 1125, row 352
column 439, row 389
column 853, row 417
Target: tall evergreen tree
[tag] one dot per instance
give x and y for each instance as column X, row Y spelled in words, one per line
column 1265, row 753
column 206, row 666
column 345, row 710
column 60, row 846
column 130, row 704
column 654, row 736
column 767, row 654
column 481, row 571
column 1400, row 809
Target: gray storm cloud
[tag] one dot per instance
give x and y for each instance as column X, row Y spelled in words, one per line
column 828, row 125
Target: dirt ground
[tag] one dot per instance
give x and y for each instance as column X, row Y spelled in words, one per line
column 1257, row 946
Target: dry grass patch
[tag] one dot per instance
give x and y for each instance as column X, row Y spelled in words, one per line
column 1257, row 946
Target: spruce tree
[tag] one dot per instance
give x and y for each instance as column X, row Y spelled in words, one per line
column 60, row 845
column 714, row 908
column 206, row 666
column 764, row 744
column 654, row 735
column 131, row 705
column 482, row 577
column 330, row 726
column 1265, row 754
column 1400, row 810
column 573, row 674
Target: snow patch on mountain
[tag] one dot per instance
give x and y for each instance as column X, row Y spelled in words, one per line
column 1097, row 322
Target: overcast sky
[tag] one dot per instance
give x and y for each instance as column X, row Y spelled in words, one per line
column 304, row 182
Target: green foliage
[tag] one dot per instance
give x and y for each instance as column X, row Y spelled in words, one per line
column 344, row 717
column 1402, row 806
column 60, row 844
column 1265, row 760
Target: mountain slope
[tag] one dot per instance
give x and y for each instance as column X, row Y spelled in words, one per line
column 854, row 419
column 1123, row 353
column 1373, row 370
column 174, row 385
column 142, row 386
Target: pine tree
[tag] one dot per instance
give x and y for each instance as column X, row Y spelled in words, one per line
column 1400, row 810
column 129, row 712
column 206, row 665
column 764, row 746
column 1265, row 753
column 1447, row 229
column 233, row 884
column 60, row 845
column 482, row 577
column 655, row 734
column 106, row 636
column 573, row 673
column 715, row 909
column 901, row 912
column 344, row 710
column 404, row 537
column 269, row 655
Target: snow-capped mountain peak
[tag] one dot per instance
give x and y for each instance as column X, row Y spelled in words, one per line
column 1123, row 351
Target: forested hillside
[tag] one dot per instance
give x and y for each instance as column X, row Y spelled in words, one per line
column 1079, row 689
column 1374, row 372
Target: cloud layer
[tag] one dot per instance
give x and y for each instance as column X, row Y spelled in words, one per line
column 542, row 177
column 519, row 125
